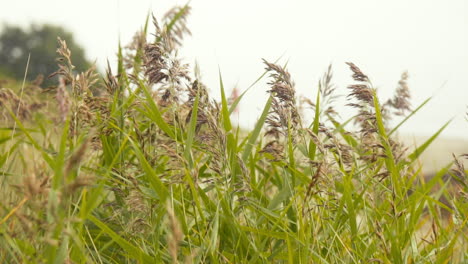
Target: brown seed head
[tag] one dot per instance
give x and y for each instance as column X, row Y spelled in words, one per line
column 357, row 73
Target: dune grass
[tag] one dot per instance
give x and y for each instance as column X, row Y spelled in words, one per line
column 144, row 166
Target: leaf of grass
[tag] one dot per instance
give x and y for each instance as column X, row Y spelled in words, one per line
column 389, row 159
column 315, row 128
column 238, row 99
column 153, row 179
column 226, row 120
column 418, row 151
column 214, row 232
column 231, row 145
column 154, row 113
column 339, row 127
column 282, row 196
column 60, row 158
column 256, row 132
column 409, row 116
column 177, row 17
column 191, row 131
column 265, row 232
column 45, row 156
column 132, row 250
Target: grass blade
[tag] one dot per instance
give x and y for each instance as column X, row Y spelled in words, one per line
column 315, row 127
column 132, row 250
column 256, row 132
column 419, row 150
column 409, row 116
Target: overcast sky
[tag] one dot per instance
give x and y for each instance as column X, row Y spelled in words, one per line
column 427, row 38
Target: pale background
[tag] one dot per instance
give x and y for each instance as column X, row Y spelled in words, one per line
column 428, row 38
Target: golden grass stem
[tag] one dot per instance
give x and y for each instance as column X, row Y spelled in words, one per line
column 25, row 199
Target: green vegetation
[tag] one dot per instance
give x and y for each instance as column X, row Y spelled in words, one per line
column 153, row 171
column 16, row 44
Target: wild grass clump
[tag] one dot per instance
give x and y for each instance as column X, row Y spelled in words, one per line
column 144, row 166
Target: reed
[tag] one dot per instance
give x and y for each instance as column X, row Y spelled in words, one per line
column 143, row 166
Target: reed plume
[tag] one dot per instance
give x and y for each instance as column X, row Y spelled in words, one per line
column 283, row 119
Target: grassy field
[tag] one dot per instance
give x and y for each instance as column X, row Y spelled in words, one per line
column 143, row 166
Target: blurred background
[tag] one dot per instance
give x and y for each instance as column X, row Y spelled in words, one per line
column 429, row 39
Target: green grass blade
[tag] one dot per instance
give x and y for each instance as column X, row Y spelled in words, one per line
column 339, row 127
column 409, row 116
column 36, row 145
column 153, row 179
column 132, row 250
column 231, row 144
column 256, row 132
column 225, row 110
column 315, row 127
column 60, row 158
column 191, row 131
column 154, row 113
column 419, row 150
column 214, row 232
column 265, row 232
column 182, row 11
column 238, row 99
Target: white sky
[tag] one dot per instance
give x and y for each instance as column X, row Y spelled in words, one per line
column 428, row 38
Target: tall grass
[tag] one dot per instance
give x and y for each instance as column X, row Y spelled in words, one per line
column 145, row 167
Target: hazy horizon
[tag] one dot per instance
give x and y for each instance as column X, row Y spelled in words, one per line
column 429, row 39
